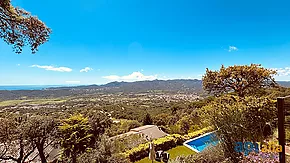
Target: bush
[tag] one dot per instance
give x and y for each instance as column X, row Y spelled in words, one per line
column 287, row 134
column 105, row 152
column 198, row 133
column 209, row 155
column 261, row 157
column 128, row 142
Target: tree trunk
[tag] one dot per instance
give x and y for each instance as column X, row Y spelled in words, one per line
column 19, row 160
column 41, row 153
column 74, row 159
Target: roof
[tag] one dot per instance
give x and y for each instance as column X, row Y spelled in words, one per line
column 151, row 131
column 124, row 135
column 142, row 128
column 51, row 153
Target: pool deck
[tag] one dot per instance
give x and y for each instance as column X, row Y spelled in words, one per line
column 195, row 150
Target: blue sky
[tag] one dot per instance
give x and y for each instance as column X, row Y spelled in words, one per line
column 147, row 39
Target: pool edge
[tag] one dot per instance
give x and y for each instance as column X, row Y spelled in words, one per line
column 195, row 150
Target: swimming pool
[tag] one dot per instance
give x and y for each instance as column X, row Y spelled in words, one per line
column 198, row 144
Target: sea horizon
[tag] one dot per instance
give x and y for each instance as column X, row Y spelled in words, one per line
column 28, row 87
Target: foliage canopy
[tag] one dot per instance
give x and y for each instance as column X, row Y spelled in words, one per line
column 19, row 28
column 240, row 119
column 75, row 136
column 243, row 80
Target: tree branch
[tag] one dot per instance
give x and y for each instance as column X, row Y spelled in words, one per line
column 8, row 158
column 28, row 154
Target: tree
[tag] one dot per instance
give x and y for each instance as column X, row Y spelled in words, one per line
column 13, row 139
column 75, row 138
column 147, row 120
column 162, row 119
column 104, row 153
column 42, row 131
column 184, row 125
column 242, row 80
column 176, row 107
column 98, row 122
column 240, row 119
column 19, row 28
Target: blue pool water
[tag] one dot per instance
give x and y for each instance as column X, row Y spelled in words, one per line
column 200, row 143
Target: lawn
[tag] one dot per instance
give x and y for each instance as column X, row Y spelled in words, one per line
column 173, row 153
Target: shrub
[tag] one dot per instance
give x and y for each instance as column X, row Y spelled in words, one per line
column 104, row 153
column 261, row 157
column 125, row 143
column 198, row 133
column 287, row 134
column 209, row 155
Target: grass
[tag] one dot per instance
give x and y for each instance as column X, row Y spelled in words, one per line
column 11, row 102
column 46, row 101
column 33, row 101
column 173, row 153
column 179, row 151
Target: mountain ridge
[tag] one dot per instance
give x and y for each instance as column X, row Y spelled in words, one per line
column 162, row 86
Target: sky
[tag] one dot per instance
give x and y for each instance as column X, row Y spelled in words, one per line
column 99, row 41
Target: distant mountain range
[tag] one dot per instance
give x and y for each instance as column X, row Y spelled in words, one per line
column 170, row 86
column 284, row 83
column 164, row 85
column 182, row 85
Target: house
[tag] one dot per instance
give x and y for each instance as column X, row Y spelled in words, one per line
column 147, row 131
column 150, row 131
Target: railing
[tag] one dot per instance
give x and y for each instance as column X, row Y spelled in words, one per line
column 283, row 103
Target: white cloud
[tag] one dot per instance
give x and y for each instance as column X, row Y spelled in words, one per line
column 18, row 64
column 52, row 68
column 135, row 76
column 86, row 69
column 282, row 71
column 232, row 48
column 73, row 82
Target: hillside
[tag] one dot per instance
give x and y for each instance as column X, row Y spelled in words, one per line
column 169, row 86
column 155, row 86
column 145, row 86
column 284, row 83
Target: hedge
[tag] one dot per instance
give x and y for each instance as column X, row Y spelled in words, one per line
column 198, row 133
column 164, row 144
